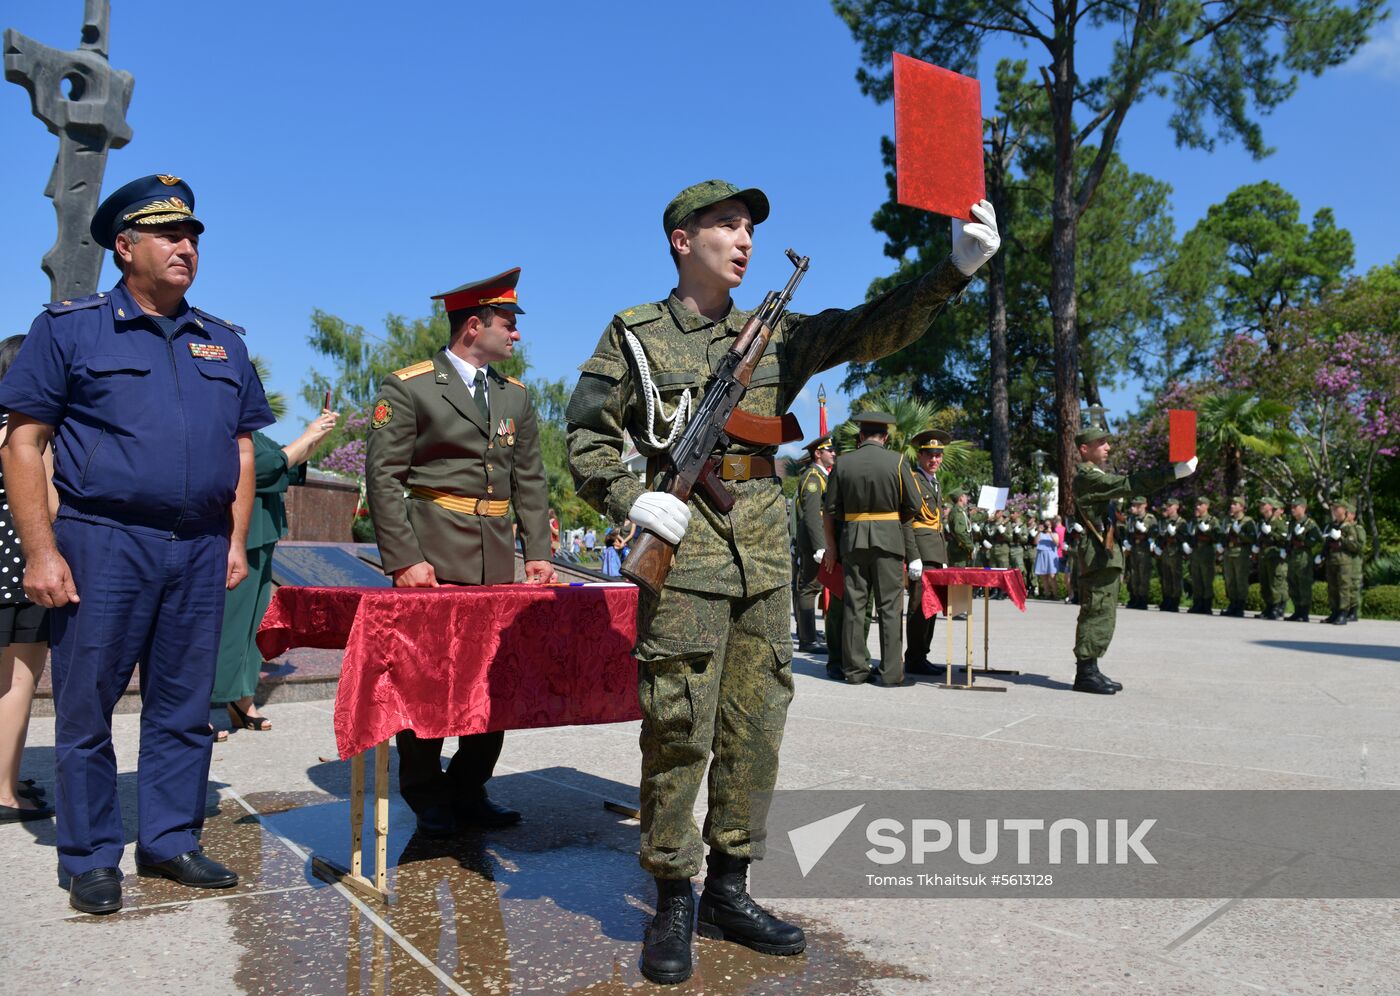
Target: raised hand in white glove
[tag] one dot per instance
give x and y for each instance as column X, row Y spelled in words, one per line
column 1171, row 530
column 664, row 514
column 1265, row 529
column 1078, row 528
column 1186, row 549
column 987, row 544
column 1205, row 527
column 1141, row 526
column 916, row 570
column 820, row 555
column 1184, row 469
column 1335, row 534
column 1298, row 529
column 1001, row 529
column 974, row 244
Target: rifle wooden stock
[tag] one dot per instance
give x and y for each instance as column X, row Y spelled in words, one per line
column 649, row 561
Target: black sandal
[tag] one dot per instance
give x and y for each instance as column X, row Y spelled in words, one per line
column 243, row 721
column 31, row 790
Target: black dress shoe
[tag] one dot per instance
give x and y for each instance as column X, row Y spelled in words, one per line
column 483, row 812
column 436, row 822
column 96, row 891
column 192, row 868
column 14, row 814
column 835, row 673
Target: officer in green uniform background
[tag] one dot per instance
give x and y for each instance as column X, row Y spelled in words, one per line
column 1303, row 537
column 463, row 442
column 1020, row 540
column 1096, row 494
column 1200, row 546
column 1168, row 537
column 959, row 531
column 1340, row 543
column 1137, row 553
column 723, row 612
column 1356, row 566
column 1240, row 536
column 924, row 549
column 872, row 497
column 811, row 542
column 1272, row 550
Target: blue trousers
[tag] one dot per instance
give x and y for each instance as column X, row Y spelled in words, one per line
column 144, row 598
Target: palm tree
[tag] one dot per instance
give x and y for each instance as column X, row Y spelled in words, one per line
column 910, row 418
column 1237, row 423
column 276, row 400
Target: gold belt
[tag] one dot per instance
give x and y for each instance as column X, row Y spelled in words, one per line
column 458, row 503
column 872, row 517
column 927, row 525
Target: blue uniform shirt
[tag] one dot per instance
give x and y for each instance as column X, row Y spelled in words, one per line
column 145, row 425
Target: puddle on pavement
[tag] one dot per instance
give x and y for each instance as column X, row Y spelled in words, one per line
column 555, row 905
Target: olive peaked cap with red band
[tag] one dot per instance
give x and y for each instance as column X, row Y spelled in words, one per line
column 497, row 292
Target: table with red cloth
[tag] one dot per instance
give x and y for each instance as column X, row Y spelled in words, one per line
column 938, row 580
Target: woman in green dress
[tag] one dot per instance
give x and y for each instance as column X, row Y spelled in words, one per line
column 276, row 468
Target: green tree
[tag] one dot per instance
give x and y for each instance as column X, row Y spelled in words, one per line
column 1235, row 423
column 1215, row 61
column 276, row 400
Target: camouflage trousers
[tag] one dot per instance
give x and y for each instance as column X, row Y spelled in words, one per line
column 999, row 556
column 1169, row 571
column 1143, row 562
column 1300, row 582
column 714, row 676
column 1235, row 568
column 1273, row 578
column 1339, row 590
column 1203, row 579
column 1098, row 612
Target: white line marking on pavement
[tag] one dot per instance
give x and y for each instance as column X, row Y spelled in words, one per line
column 223, row 898
column 1006, row 727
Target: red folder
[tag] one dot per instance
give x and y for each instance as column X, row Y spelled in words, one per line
column 937, row 138
column 1182, row 426
column 833, row 580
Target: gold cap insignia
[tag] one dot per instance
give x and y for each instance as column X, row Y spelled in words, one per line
column 167, row 179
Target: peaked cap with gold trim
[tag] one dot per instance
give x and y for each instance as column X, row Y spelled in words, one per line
column 497, row 291
column 160, row 199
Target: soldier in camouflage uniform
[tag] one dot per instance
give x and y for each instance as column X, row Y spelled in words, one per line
column 1272, row 551
column 1240, row 536
column 925, row 547
column 1170, row 534
column 1096, row 494
column 1303, row 537
column 1357, row 566
column 998, row 553
column 713, row 650
column 811, row 544
column 1020, row 539
column 959, row 531
column 1340, row 543
column 1137, row 553
column 1200, row 546
column 981, row 536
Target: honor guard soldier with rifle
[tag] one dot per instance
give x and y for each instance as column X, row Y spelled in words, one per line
column 1096, row 497
column 1201, row 547
column 1020, row 539
column 713, row 641
column 1138, row 555
column 1169, row 542
column 959, row 531
column 811, row 542
column 1303, row 537
column 1340, row 543
column 462, row 440
column 1241, row 536
column 1271, row 548
column 924, row 548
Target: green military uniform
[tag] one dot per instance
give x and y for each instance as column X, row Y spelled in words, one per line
column 1020, row 538
column 981, row 542
column 998, row 533
column 1303, row 538
column 811, row 487
column 236, row 676
column 1202, row 537
column 1241, row 535
column 1171, row 532
column 1272, row 550
column 1340, row 543
column 1096, row 494
column 872, row 495
column 442, row 471
column 1356, row 567
column 714, row 651
column 959, row 533
column 1138, row 556
column 924, row 542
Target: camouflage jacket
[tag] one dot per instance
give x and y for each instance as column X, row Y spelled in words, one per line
column 1169, row 534
column 1239, row 536
column 1303, row 535
column 1343, row 547
column 1094, row 490
column 1273, row 544
column 742, row 553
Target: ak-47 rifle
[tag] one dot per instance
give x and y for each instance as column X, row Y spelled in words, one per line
column 688, row 465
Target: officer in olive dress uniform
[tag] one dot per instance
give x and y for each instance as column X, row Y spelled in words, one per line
column 1271, row 549
column 1200, row 546
column 1340, row 543
column 1096, row 493
column 958, row 531
column 924, row 548
column 1240, row 535
column 1137, row 553
column 1169, row 539
column 1303, row 538
column 714, row 647
column 463, row 442
column 811, row 539
column 872, row 496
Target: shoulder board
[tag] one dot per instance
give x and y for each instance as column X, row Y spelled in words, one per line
column 501, row 378
column 415, row 370
column 639, row 315
column 512, row 380
column 219, row 321
column 77, row 304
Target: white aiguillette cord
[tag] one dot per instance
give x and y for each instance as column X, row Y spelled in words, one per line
column 652, row 395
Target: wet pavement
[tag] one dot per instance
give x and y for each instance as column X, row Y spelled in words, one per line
column 559, row 903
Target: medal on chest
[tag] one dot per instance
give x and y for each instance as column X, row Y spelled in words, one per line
column 505, row 432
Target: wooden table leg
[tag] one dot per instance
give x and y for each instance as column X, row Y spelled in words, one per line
column 357, row 814
column 353, row 877
column 381, row 817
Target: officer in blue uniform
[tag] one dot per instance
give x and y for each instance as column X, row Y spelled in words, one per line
column 149, row 404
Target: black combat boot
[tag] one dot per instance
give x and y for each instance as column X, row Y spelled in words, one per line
column 1341, row 619
column 728, row 912
column 1351, row 614
column 1280, row 609
column 1117, row 686
column 666, row 949
column 1088, row 679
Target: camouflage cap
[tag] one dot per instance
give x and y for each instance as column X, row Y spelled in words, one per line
column 1139, row 500
column 1298, row 502
column 1240, row 500
column 702, row 195
column 1203, row 500
column 957, row 493
column 1090, row 435
column 1271, row 501
column 1343, row 503
column 1171, row 500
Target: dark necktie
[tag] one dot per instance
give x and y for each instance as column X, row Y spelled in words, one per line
column 479, row 394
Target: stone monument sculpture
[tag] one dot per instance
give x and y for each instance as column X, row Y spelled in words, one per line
column 83, row 101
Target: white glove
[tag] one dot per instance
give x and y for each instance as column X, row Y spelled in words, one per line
column 916, row 570
column 1318, row 560
column 974, row 244
column 1265, row 529
column 987, row 544
column 1156, row 550
column 1254, row 548
column 1141, row 526
column 1235, row 526
column 1281, row 554
column 1186, row 549
column 1205, row 527
column 1127, row 543
column 1078, row 528
column 1001, row 529
column 1335, row 534
column 820, row 555
column 1219, row 548
column 1171, row 529
column 1184, row 469
column 664, row 514
column 1298, row 529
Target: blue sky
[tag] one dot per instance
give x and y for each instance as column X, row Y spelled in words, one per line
column 360, row 157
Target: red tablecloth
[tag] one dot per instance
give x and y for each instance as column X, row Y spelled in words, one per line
column 937, row 580
column 458, row 660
